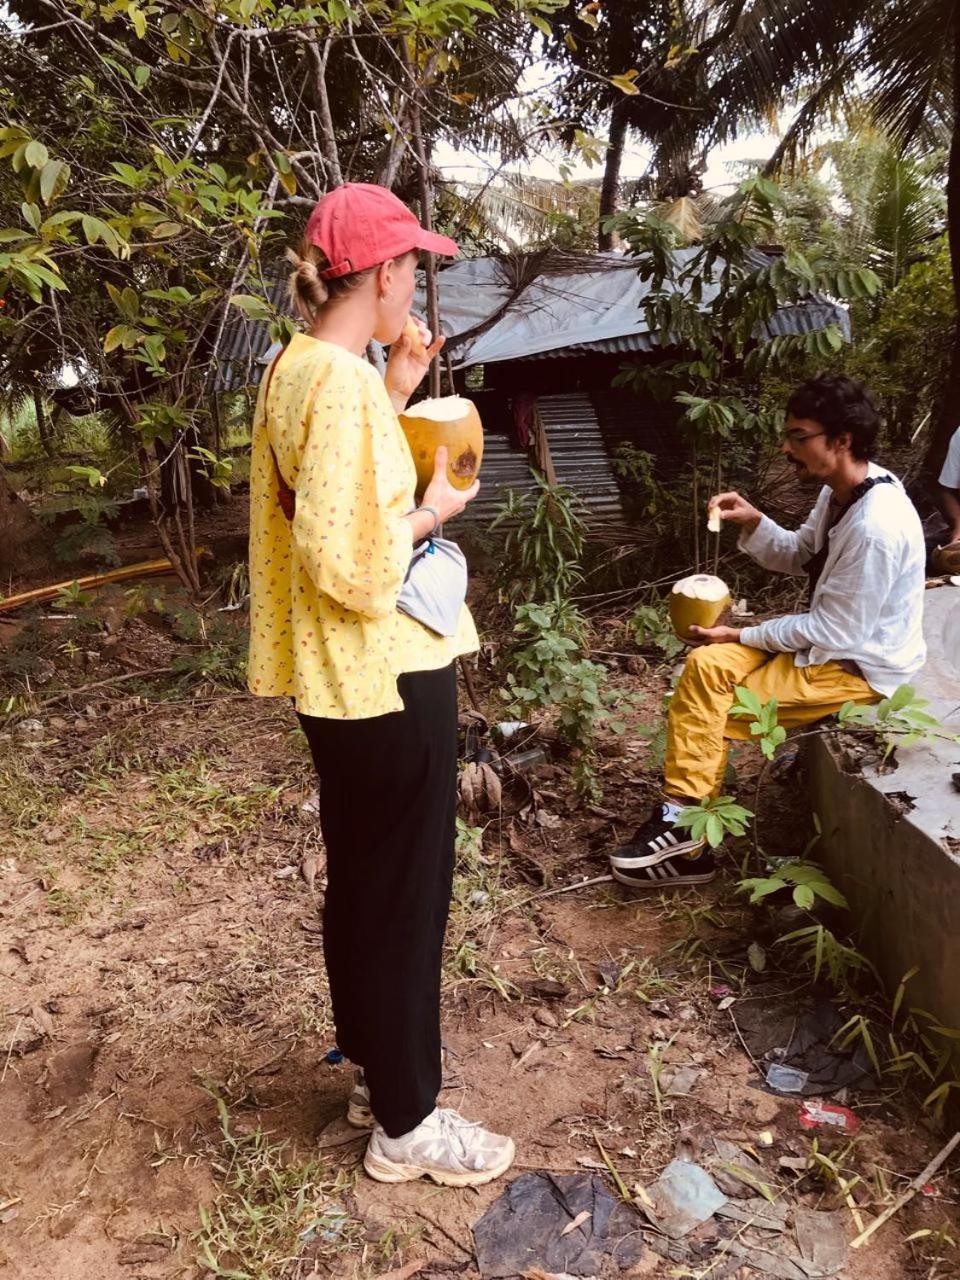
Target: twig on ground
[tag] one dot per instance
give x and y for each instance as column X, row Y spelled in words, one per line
column 467, row 1253
column 918, row 1182
column 13, row 1041
column 567, row 888
column 65, row 694
column 743, row 1043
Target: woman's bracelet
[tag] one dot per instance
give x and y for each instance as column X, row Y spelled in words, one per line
column 436, row 516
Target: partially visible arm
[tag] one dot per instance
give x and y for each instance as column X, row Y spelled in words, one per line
column 782, row 550
column 949, row 486
column 845, row 615
column 353, row 534
column 950, row 504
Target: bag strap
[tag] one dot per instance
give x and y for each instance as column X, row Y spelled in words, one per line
column 286, row 496
column 817, row 563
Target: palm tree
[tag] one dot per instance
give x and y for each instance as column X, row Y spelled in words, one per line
column 901, row 58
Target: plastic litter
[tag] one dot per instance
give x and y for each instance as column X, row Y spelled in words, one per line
column 523, row 1228
column 507, row 729
column 521, row 761
column 682, row 1198
column 802, row 1037
column 815, row 1114
column 333, row 1056
column 783, row 1079
column 822, row 1240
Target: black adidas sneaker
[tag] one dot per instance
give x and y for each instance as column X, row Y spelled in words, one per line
column 673, row 872
column 661, row 843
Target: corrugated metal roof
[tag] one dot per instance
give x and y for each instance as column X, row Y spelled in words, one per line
column 524, row 308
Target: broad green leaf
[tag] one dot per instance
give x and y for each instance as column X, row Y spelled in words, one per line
column 36, row 154
column 54, row 176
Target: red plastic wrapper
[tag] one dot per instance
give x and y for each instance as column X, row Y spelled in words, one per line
column 815, row 1114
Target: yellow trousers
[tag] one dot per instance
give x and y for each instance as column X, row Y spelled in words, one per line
column 698, row 725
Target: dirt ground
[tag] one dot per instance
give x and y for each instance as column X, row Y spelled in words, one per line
column 166, row 1109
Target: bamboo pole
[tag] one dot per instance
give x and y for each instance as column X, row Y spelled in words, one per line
column 144, row 569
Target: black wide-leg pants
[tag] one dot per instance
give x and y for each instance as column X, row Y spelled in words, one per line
column 388, row 817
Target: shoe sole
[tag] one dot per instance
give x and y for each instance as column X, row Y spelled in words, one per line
column 675, row 882
column 383, row 1170
column 626, row 863
column 359, row 1115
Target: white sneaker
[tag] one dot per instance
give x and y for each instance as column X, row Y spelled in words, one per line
column 358, row 1108
column 444, row 1147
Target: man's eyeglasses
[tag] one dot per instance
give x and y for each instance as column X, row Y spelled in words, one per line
column 799, row 437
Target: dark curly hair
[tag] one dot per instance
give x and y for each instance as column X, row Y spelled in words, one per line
column 842, row 406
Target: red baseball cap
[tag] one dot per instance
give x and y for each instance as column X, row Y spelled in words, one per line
column 360, row 225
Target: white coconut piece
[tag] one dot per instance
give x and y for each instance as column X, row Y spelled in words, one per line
column 701, row 586
column 713, row 519
column 441, row 409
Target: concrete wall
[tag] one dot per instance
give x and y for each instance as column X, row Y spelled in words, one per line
column 891, row 841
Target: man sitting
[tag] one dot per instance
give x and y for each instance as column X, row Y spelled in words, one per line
column 862, row 550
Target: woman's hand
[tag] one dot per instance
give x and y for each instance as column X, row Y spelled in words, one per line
column 408, row 363
column 441, row 494
column 731, row 506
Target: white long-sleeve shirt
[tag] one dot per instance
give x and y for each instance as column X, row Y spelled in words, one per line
column 868, row 604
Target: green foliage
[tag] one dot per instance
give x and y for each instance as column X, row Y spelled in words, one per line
column 806, row 881
column 270, row 1202
column 650, row 626
column 72, row 597
column 718, row 300
column 898, row 720
column 714, row 818
column 824, row 953
column 548, row 671
column 545, row 536
column 765, row 729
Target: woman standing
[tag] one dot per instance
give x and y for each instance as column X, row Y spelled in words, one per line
column 333, row 524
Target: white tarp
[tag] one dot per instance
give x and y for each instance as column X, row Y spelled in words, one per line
column 558, row 309
column 586, row 303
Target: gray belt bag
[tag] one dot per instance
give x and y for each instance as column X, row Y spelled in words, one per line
column 435, row 587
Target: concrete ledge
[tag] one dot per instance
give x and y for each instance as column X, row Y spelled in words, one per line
column 891, row 841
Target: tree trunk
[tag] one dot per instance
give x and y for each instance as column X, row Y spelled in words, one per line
column 43, row 423
column 426, row 221
column 21, row 535
column 949, row 417
column 611, row 171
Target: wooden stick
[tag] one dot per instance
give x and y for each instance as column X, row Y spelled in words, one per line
column 100, row 684
column 910, row 1192
column 145, row 569
column 567, row 888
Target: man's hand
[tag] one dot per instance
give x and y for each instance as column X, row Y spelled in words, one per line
column 731, row 506
column 715, row 635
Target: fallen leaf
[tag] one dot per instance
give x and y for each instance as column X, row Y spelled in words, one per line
column 404, row 1272
column 583, row 1216
column 757, row 957
column 308, row 869
column 43, row 1020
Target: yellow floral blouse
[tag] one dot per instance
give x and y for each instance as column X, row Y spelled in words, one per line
column 324, row 625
